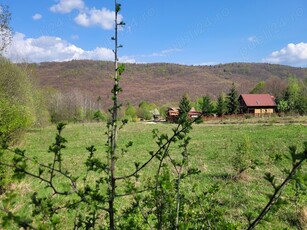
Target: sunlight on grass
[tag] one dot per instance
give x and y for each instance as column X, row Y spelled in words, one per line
column 212, row 149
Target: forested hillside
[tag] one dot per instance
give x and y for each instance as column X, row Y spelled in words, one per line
column 163, row 84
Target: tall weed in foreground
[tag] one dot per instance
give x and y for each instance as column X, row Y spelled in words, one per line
column 91, row 198
column 243, row 159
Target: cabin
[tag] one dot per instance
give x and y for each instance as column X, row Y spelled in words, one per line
column 173, row 113
column 193, row 113
column 257, row 104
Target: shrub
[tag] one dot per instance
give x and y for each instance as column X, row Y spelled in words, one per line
column 17, row 109
column 99, row 116
column 243, row 158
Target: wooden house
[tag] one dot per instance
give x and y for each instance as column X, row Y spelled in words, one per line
column 193, row 113
column 257, row 104
column 173, row 114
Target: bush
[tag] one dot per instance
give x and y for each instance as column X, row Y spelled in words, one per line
column 242, row 160
column 13, row 119
column 99, row 116
column 17, row 110
column 131, row 113
column 21, row 106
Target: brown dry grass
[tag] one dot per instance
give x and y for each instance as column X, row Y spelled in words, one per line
column 302, row 217
column 22, row 187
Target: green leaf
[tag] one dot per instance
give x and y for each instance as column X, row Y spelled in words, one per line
column 118, row 7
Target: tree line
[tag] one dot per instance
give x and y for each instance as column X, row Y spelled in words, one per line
column 290, row 97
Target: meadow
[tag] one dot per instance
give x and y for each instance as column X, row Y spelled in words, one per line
column 212, row 150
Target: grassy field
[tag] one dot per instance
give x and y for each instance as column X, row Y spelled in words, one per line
column 212, row 149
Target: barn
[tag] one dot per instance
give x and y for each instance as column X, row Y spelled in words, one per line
column 257, row 104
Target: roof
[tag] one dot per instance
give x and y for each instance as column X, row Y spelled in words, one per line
column 258, row 100
column 173, row 109
column 192, row 110
column 155, row 112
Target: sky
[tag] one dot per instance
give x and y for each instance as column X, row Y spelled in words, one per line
column 196, row 32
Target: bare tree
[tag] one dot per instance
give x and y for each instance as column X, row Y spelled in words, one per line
column 5, row 29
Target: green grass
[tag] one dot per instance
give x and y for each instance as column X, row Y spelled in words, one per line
column 212, row 148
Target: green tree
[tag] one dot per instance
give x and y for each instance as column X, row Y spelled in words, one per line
column 243, row 160
column 198, row 103
column 232, row 100
column 18, row 108
column 282, row 106
column 144, row 110
column 185, row 104
column 99, row 116
column 221, row 106
column 16, row 93
column 301, row 102
column 130, row 112
column 259, row 88
column 207, row 106
column 292, row 92
column 163, row 111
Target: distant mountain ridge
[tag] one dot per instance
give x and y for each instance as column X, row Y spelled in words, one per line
column 161, row 83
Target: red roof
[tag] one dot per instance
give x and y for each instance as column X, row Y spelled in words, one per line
column 258, row 100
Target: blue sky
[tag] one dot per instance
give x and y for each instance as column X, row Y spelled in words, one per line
column 195, row 32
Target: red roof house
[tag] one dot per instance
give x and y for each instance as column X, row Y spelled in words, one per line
column 257, row 103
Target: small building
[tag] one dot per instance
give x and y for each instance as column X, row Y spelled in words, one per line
column 172, row 114
column 156, row 115
column 257, row 104
column 193, row 113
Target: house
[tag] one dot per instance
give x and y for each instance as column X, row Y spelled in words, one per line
column 172, row 114
column 257, row 104
column 193, row 113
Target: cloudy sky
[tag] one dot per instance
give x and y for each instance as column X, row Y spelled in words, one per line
column 185, row 32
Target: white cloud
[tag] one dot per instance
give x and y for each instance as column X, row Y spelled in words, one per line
column 66, row 6
column 252, row 39
column 74, row 37
column 127, row 59
column 207, row 63
column 103, row 18
column 164, row 53
column 293, row 54
column 46, row 48
column 37, row 16
column 87, row 17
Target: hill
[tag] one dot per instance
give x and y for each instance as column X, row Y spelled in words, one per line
column 160, row 83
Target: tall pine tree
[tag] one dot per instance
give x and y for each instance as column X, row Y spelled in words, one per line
column 221, row 106
column 232, row 100
column 185, row 104
column 207, row 106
